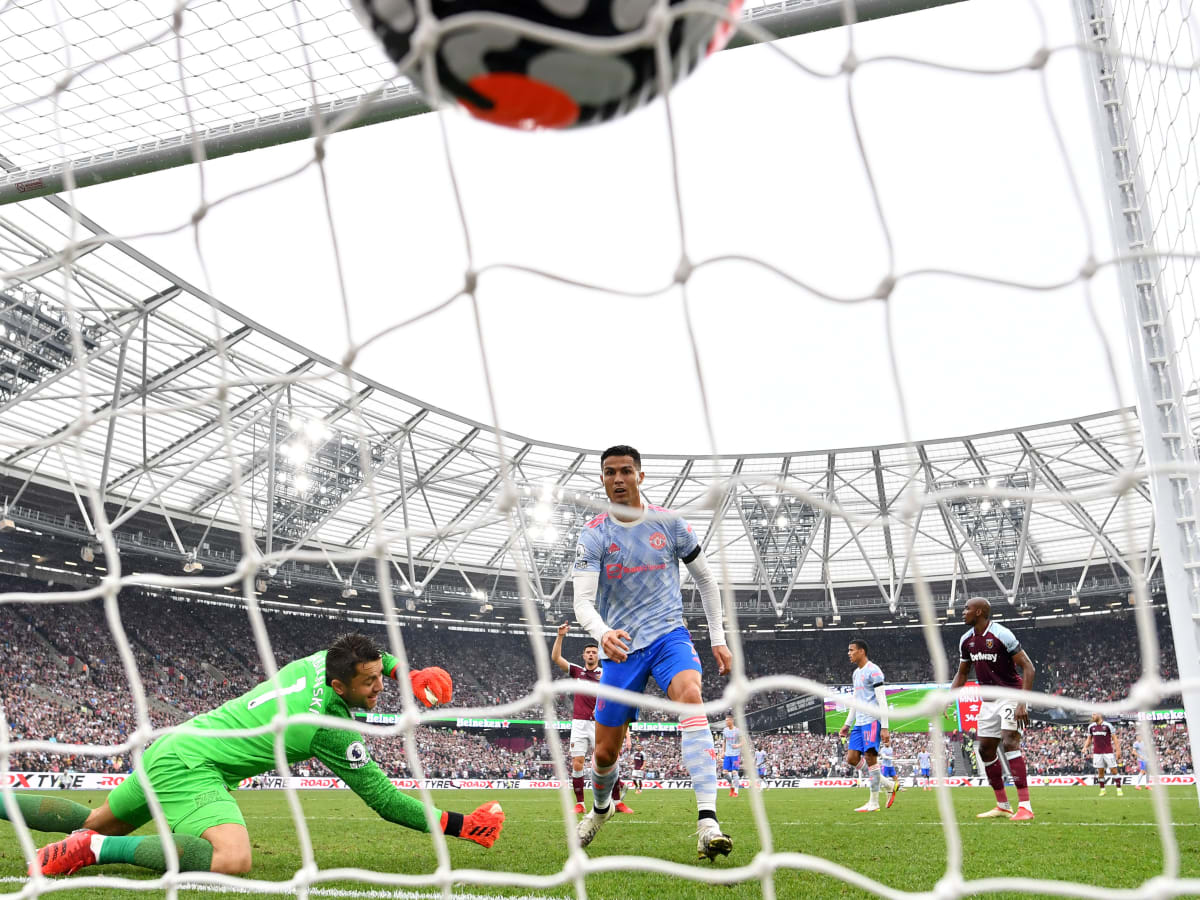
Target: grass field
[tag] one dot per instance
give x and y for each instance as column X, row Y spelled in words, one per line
column 1077, row 836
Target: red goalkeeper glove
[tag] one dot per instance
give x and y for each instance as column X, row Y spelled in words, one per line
column 432, row 686
column 482, row 826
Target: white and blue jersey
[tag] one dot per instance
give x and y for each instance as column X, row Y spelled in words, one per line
column 732, row 753
column 1139, row 751
column 923, row 762
column 865, row 735
column 638, row 592
column 638, row 565
column 760, row 762
column 887, row 759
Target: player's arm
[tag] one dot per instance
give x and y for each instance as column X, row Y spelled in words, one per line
column 345, row 754
column 432, row 686
column 881, row 702
column 1087, row 744
column 1025, row 664
column 1117, row 747
column 710, row 599
column 585, row 582
column 556, row 656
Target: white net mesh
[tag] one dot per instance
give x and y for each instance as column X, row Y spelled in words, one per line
column 149, row 422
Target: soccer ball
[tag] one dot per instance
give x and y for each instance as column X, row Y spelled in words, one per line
column 513, row 79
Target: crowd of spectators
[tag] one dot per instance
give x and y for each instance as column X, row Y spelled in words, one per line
column 63, row 681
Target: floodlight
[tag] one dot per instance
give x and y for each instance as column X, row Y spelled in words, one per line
column 486, row 608
column 260, row 585
column 7, row 524
column 349, row 592
column 820, row 622
column 410, row 604
column 836, row 620
column 191, row 564
column 1073, row 600
column 87, row 553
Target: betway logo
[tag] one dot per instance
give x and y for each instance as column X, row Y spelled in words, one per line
column 616, row 570
column 988, row 657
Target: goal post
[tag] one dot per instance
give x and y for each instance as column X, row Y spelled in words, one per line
column 1129, row 135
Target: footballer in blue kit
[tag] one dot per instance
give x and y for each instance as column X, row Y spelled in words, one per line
column 628, row 597
column 868, row 728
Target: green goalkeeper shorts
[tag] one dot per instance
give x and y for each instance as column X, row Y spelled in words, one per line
column 193, row 799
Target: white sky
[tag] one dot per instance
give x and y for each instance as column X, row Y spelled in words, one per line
column 970, row 179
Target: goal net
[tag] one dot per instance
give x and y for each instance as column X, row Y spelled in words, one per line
column 160, row 447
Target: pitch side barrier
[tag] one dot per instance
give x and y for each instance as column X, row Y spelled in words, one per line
column 87, row 781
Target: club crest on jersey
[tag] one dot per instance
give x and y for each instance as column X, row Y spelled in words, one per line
column 989, row 642
column 356, row 755
column 658, row 540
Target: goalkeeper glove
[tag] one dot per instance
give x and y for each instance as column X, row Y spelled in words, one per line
column 432, row 686
column 482, row 826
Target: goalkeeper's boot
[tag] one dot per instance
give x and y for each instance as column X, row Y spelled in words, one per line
column 996, row 812
column 483, row 825
column 67, row 856
column 711, row 842
column 590, row 824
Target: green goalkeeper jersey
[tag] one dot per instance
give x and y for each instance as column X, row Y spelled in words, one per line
column 301, row 685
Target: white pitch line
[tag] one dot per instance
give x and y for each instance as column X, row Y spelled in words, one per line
column 398, row 894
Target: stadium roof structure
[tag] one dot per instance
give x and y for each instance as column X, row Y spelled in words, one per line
column 195, row 425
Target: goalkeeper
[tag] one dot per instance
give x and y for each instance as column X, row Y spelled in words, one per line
column 193, row 774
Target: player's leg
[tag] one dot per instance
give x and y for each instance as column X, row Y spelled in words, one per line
column 677, row 665
column 989, row 732
column 52, row 814
column 1100, row 770
column 618, row 786
column 873, row 774
column 1011, row 736
column 582, row 740
column 612, row 720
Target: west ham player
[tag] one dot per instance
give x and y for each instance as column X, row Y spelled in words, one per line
column 627, row 597
column 731, row 765
column 1106, row 752
column 583, row 724
column 192, row 775
column 924, row 763
column 997, row 655
column 1139, row 751
column 639, row 767
column 865, row 736
column 760, row 763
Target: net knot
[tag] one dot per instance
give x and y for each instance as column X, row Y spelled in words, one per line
column 470, row 281
column 425, row 38
column 200, row 212
column 949, row 886
column 1089, row 267
column 885, row 288
column 684, row 270
column 1040, row 57
column 850, row 63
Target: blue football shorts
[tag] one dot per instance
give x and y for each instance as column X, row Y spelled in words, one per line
column 889, row 771
column 665, row 658
column 730, row 764
column 865, row 737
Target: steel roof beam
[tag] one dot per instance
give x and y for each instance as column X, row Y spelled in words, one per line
column 1103, row 452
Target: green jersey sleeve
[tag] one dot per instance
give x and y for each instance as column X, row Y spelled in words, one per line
column 345, row 754
column 391, row 666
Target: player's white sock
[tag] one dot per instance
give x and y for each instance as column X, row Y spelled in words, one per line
column 602, row 785
column 696, row 747
column 873, row 772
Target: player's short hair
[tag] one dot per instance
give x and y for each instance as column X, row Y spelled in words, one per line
column 861, row 645
column 621, row 450
column 590, row 646
column 344, row 655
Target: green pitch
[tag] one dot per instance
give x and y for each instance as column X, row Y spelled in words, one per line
column 899, row 718
column 1108, row 841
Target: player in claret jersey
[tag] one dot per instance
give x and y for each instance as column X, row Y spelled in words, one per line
column 627, row 597
column 193, row 775
column 1106, row 752
column 997, row 655
column 583, row 722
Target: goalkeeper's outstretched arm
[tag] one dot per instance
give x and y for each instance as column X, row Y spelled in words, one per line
column 345, row 754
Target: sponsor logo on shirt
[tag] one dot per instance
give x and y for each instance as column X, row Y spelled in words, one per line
column 986, row 657
column 616, row 570
column 613, row 548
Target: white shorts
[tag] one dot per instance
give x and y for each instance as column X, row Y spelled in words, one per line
column 1104, row 760
column 639, row 774
column 583, row 736
column 996, row 716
